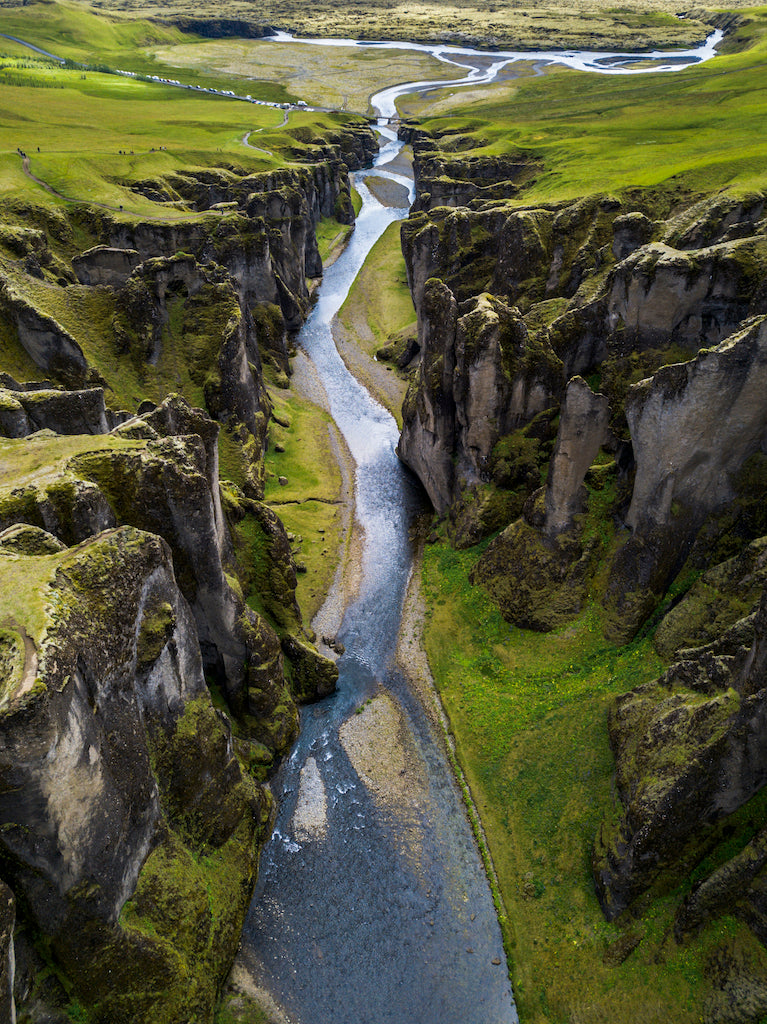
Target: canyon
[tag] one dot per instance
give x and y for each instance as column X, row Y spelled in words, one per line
column 584, row 411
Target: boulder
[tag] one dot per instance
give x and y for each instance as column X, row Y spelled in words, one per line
column 63, row 412
column 105, row 264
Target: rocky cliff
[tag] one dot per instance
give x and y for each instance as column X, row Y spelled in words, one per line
column 613, row 296
column 123, row 788
column 128, row 576
column 590, row 396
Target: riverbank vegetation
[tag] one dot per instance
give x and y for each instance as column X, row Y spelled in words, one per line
column 376, row 321
column 528, row 713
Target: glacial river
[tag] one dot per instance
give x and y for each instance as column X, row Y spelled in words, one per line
column 372, row 905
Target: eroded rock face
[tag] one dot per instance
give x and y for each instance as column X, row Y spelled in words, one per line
column 690, row 749
column 168, row 485
column 63, row 412
column 724, row 594
column 267, row 245
column 583, row 429
column 479, row 377
column 660, row 295
column 95, row 718
column 48, row 344
column 444, row 179
column 694, row 424
column 217, row 338
column 103, row 264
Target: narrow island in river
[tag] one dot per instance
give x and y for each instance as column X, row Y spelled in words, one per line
column 382, row 478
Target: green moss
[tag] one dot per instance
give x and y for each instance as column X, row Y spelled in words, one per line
column 157, row 624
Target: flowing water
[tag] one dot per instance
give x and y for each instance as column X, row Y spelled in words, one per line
column 372, row 906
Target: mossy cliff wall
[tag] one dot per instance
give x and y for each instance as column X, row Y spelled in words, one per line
column 136, row 844
column 611, row 442
column 611, row 292
column 94, row 795
column 134, row 810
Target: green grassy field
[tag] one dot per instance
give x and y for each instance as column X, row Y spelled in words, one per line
column 695, row 130
column 528, row 712
column 325, row 76
column 98, row 134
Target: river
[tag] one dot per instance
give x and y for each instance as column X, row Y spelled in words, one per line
column 372, row 905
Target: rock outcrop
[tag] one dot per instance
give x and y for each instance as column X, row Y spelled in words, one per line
column 479, row 377
column 659, row 295
column 690, row 750
column 693, row 426
column 607, row 291
column 50, row 346
column 168, row 485
column 537, row 570
column 127, row 774
column 23, row 412
column 583, row 429
column 105, row 265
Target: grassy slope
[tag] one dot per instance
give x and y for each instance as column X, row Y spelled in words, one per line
column 700, row 129
column 81, row 121
column 528, row 712
column 379, row 301
column 308, row 502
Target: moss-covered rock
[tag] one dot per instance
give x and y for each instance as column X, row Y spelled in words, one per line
column 720, row 597
column 537, row 584
column 112, row 736
column 689, row 751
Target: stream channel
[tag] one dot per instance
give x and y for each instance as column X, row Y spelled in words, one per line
column 372, row 905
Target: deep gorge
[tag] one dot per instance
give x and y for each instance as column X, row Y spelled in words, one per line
column 585, row 413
